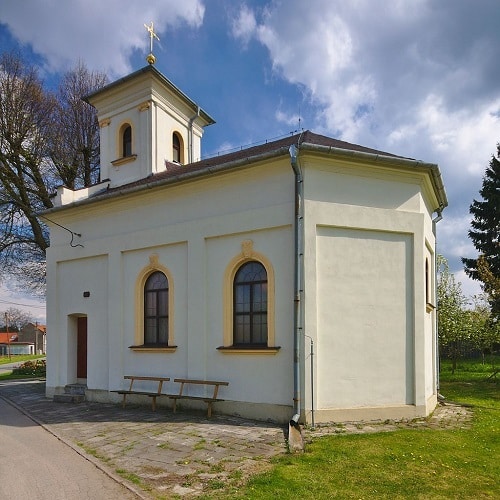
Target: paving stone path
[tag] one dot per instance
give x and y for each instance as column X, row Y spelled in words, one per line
column 183, row 454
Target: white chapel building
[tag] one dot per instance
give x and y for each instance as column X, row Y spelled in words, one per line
column 301, row 271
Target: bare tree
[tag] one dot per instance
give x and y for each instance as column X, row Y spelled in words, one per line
column 26, row 118
column 45, row 141
column 75, row 141
column 16, row 318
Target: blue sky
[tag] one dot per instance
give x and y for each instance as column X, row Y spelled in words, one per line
column 418, row 78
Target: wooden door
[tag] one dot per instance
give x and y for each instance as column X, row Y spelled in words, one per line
column 81, row 348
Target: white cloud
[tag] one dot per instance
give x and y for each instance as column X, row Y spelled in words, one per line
column 291, row 119
column 469, row 286
column 102, row 33
column 244, row 25
column 416, row 78
column 451, row 241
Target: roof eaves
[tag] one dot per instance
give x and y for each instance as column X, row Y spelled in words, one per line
column 174, row 179
column 433, row 168
column 165, row 81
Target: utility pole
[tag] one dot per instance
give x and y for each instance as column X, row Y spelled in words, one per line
column 8, row 336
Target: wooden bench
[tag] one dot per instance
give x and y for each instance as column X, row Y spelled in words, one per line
column 209, row 400
column 152, row 395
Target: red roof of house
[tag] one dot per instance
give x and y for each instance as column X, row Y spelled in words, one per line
column 6, row 337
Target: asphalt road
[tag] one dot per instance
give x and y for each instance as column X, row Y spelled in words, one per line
column 8, row 367
column 35, row 465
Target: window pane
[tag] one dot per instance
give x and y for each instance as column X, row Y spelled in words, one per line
column 176, row 148
column 251, row 271
column 242, row 329
column 259, row 329
column 163, row 331
column 242, row 298
column 127, row 141
column 150, row 304
column 156, row 281
column 163, row 303
column 150, row 331
column 259, row 297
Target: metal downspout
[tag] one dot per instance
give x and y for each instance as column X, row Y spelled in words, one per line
column 298, row 255
column 439, row 212
column 190, row 135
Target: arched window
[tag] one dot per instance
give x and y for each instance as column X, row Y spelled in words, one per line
column 427, row 294
column 176, row 147
column 156, row 310
column 250, row 305
column 127, row 141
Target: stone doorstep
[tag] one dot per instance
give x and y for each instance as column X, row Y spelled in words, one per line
column 73, row 393
column 75, row 389
column 69, row 398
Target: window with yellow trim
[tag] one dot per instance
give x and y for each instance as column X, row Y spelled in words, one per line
column 126, row 140
column 177, row 148
column 154, row 308
column 249, row 304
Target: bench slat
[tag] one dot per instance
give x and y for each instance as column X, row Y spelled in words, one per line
column 208, row 400
column 151, row 394
column 196, row 381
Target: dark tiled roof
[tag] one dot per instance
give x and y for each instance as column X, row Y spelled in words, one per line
column 278, row 147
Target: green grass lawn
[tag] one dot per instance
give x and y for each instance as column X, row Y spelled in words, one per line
column 29, row 367
column 416, row 464
column 19, row 358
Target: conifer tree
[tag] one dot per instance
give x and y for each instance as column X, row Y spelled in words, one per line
column 485, row 233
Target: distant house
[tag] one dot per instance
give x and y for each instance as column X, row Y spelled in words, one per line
column 7, row 337
column 11, row 344
column 35, row 334
column 301, row 271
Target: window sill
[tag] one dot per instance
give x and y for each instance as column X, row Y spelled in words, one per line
column 248, row 350
column 122, row 161
column 148, row 348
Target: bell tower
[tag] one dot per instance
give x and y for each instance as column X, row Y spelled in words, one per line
column 145, row 123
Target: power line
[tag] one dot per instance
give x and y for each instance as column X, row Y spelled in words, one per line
column 19, row 304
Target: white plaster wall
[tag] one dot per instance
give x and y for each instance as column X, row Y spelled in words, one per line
column 195, row 230
column 365, row 332
column 256, row 378
column 174, row 258
column 71, row 280
column 366, row 186
column 357, row 224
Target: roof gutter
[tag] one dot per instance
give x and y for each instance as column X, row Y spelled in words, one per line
column 283, row 151
column 183, row 177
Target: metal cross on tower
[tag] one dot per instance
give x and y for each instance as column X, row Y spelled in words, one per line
column 151, row 58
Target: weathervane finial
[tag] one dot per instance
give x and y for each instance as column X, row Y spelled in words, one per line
column 151, row 59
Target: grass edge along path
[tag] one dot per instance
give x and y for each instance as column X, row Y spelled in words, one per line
column 20, row 358
column 420, row 463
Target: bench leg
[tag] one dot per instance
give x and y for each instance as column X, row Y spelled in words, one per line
column 124, row 399
column 175, row 405
column 153, row 403
column 209, row 409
